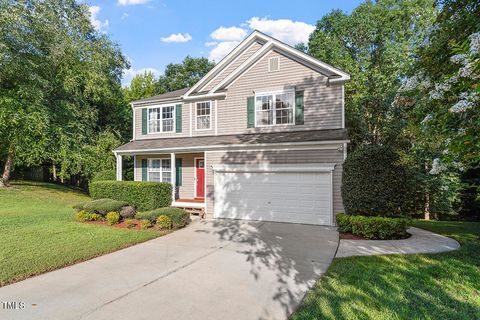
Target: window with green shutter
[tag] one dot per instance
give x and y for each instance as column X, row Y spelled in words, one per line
column 178, row 118
column 144, row 169
column 144, row 121
column 250, row 112
column 178, row 173
column 299, row 118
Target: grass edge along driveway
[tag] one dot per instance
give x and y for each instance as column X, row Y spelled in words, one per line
column 39, row 234
column 420, row 286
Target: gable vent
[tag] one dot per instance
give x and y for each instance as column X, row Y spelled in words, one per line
column 274, row 64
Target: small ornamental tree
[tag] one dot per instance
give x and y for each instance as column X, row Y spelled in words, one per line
column 374, row 184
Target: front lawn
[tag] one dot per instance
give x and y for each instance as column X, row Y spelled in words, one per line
column 423, row 286
column 38, row 232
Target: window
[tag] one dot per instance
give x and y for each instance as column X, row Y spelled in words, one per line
column 274, row 108
column 160, row 119
column 159, row 170
column 203, row 116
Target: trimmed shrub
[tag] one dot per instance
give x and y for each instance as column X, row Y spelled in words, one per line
column 145, row 224
column 113, row 217
column 164, row 222
column 105, row 175
column 130, row 223
column 141, row 195
column 179, row 217
column 83, row 216
column 381, row 228
column 373, row 184
column 101, row 206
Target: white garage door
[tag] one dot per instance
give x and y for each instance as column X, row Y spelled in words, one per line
column 274, row 195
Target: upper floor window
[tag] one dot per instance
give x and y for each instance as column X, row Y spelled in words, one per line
column 160, row 119
column 159, row 170
column 203, row 115
column 274, row 108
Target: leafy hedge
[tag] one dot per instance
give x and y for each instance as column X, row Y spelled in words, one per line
column 373, row 183
column 141, row 195
column 101, row 206
column 381, row 228
column 179, row 217
column 105, row 175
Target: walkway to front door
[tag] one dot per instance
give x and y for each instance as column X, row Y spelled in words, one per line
column 213, row 269
column 200, row 178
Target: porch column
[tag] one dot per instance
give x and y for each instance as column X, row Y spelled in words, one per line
column 173, row 175
column 119, row 168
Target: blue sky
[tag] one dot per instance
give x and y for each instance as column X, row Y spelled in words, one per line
column 153, row 33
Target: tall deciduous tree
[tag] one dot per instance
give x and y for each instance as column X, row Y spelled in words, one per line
column 59, row 81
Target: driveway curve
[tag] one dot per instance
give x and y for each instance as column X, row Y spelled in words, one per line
column 213, row 269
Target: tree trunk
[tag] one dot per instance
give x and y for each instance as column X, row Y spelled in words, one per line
column 5, row 180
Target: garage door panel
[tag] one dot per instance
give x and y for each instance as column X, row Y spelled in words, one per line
column 274, row 196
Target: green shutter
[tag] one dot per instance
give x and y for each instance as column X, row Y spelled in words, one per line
column 178, row 118
column 144, row 169
column 299, row 119
column 178, row 172
column 144, row 120
column 250, row 112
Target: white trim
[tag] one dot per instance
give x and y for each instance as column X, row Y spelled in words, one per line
column 293, row 148
column 195, row 175
column 344, row 151
column 254, row 36
column 173, row 175
column 343, row 106
column 134, row 167
column 133, row 120
column 331, row 198
column 233, row 146
column 209, row 115
column 185, row 204
column 265, row 167
column 278, row 63
column 216, row 117
column 274, row 107
column 119, row 167
column 161, row 106
column 205, row 96
column 142, row 104
column 191, row 133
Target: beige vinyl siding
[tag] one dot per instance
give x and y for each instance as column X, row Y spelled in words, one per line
column 322, row 102
column 185, row 124
column 276, row 157
column 234, row 65
column 187, row 189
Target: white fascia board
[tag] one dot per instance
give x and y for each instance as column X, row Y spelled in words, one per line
column 205, row 96
column 142, row 104
column 265, row 167
column 253, row 147
column 226, row 60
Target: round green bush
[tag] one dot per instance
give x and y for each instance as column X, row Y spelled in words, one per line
column 83, row 216
column 145, row 224
column 180, row 218
column 113, row 217
column 373, row 183
column 164, row 222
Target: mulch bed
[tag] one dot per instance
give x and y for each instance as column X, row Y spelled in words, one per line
column 121, row 225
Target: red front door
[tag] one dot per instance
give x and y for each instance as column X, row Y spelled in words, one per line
column 200, row 171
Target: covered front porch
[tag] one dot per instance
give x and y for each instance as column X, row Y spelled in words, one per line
column 185, row 171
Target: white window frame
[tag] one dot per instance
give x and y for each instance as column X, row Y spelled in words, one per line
column 161, row 118
column 160, row 170
column 274, row 109
column 196, row 116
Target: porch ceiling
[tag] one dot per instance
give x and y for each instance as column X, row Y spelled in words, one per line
column 192, row 144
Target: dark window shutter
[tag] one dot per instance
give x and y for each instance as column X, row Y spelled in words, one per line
column 299, row 118
column 178, row 118
column 178, row 173
column 250, row 112
column 144, row 169
column 144, row 120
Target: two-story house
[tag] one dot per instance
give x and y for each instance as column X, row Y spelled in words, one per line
column 261, row 137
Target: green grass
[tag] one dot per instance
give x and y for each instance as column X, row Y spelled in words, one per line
column 38, row 232
column 422, row 286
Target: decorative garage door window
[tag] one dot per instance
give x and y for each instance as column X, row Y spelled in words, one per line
column 159, row 170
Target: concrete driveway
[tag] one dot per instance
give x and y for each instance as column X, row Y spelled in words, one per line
column 214, row 269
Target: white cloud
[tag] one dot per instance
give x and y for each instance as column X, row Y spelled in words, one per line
column 97, row 24
column 221, row 50
column 211, row 43
column 128, row 74
column 179, row 37
column 131, row 2
column 288, row 31
column 124, row 16
column 229, row 34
